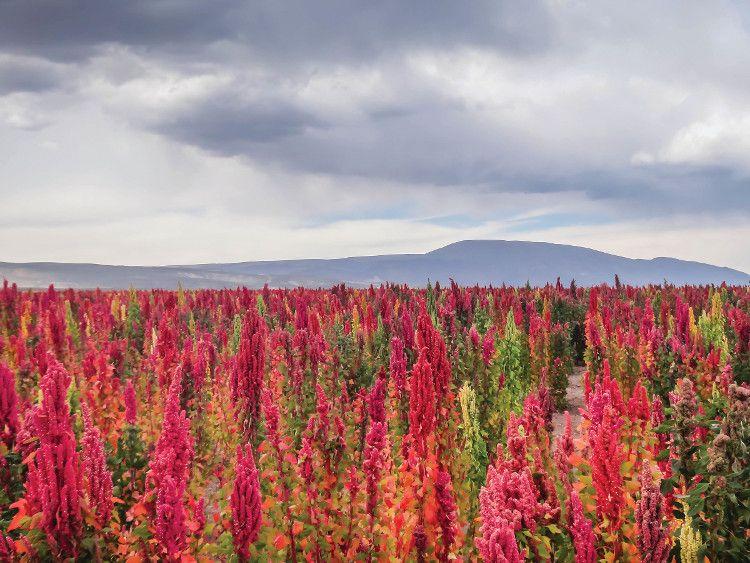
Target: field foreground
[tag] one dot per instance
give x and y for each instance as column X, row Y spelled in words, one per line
column 385, row 424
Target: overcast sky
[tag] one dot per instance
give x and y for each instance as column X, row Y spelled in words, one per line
column 151, row 132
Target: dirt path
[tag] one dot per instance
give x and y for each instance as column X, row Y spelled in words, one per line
column 575, row 402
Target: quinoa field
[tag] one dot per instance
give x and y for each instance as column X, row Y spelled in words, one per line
column 497, row 424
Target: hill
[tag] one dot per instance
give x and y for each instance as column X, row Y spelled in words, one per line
column 468, row 262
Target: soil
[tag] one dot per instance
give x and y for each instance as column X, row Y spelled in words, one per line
column 574, row 396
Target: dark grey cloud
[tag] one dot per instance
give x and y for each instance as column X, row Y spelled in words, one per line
column 228, row 125
column 442, row 143
column 413, row 145
column 73, row 29
column 282, row 30
column 346, row 30
column 28, row 75
column 667, row 188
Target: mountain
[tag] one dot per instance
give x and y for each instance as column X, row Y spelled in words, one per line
column 468, row 262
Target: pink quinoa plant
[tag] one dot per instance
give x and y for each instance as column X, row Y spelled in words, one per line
column 488, row 346
column 170, row 517
column 376, row 446
column 323, row 409
column 446, row 514
column 249, row 367
column 500, row 545
column 97, row 478
column 649, row 516
column 53, row 480
column 173, row 452
column 246, row 503
column 398, row 366
column 7, row 548
column 130, row 402
column 430, row 340
column 198, row 509
column 639, row 408
column 421, row 403
column 168, row 471
column 517, row 442
column 582, row 531
column 508, row 499
column 8, row 406
column 607, row 457
column 564, row 447
column 419, row 538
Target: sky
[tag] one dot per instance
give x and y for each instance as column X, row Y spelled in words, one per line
column 166, row 132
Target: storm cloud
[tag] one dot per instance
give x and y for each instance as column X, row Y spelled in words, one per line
column 339, row 30
column 446, row 120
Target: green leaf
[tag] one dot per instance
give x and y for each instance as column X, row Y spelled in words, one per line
column 695, row 509
column 701, row 487
column 142, row 532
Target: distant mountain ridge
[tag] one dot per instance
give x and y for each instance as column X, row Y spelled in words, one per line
column 468, row 262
